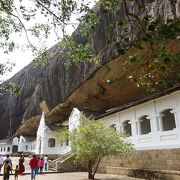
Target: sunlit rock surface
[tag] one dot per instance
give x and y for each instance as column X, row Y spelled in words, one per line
column 89, row 87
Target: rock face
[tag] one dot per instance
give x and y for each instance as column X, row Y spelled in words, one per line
column 87, row 86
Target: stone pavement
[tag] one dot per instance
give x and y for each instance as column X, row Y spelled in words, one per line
column 73, row 176
column 62, row 176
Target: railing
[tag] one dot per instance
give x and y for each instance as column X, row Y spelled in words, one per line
column 53, row 164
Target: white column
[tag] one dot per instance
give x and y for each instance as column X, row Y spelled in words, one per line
column 176, row 113
column 177, row 120
column 37, row 146
column 118, row 127
column 154, row 128
column 160, row 122
column 44, row 140
column 6, row 149
column 134, row 132
column 121, row 127
column 138, row 127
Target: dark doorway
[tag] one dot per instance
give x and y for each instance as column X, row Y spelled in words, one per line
column 14, row 149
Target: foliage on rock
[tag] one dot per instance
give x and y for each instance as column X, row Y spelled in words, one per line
column 137, row 26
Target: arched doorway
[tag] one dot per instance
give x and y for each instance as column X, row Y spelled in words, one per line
column 14, row 149
column 127, row 127
column 168, row 120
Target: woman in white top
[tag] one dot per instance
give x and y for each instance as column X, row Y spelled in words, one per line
column 45, row 163
column 1, row 162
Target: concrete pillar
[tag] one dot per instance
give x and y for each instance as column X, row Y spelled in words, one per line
column 176, row 112
column 138, row 126
column 44, row 141
column 38, row 145
column 134, row 132
column 154, row 128
column 160, row 122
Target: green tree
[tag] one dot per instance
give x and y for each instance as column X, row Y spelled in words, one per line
column 93, row 140
column 136, row 27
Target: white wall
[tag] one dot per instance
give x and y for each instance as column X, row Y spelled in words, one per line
column 74, row 119
column 157, row 138
column 4, row 149
column 58, row 149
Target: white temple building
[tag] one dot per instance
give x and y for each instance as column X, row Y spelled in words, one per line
column 154, row 124
column 45, row 141
column 27, row 144
column 8, row 146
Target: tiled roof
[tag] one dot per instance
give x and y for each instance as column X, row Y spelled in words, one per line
column 54, row 127
column 6, row 141
column 29, row 138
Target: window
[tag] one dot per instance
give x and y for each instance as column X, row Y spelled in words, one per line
column 8, row 149
column 14, row 149
column 145, row 126
column 51, row 142
column 26, row 147
column 168, row 120
column 67, row 142
column 127, row 127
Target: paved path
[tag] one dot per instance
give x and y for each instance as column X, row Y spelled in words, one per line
column 74, row 176
column 63, row 176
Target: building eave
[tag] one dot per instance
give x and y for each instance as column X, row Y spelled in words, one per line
column 138, row 102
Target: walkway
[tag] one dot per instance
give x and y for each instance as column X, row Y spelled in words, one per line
column 63, row 176
column 74, row 176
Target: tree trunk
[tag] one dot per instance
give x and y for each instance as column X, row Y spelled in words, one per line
column 97, row 165
column 90, row 174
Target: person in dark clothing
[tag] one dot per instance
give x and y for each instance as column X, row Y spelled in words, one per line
column 7, row 169
column 21, row 165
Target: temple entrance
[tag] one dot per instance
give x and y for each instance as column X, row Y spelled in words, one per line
column 14, row 149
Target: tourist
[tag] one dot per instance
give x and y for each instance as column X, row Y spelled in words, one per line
column 33, row 164
column 9, row 160
column 41, row 165
column 16, row 172
column 1, row 162
column 38, row 165
column 21, row 165
column 7, row 169
column 45, row 163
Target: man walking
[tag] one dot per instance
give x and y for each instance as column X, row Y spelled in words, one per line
column 33, row 164
column 8, row 159
column 7, row 169
column 9, row 162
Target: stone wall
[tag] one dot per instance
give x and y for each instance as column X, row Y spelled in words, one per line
column 158, row 164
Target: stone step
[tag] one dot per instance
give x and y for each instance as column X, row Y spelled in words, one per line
column 52, row 169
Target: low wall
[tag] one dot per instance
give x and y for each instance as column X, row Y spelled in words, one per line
column 69, row 165
column 145, row 164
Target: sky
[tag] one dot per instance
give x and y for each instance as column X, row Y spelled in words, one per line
column 22, row 56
